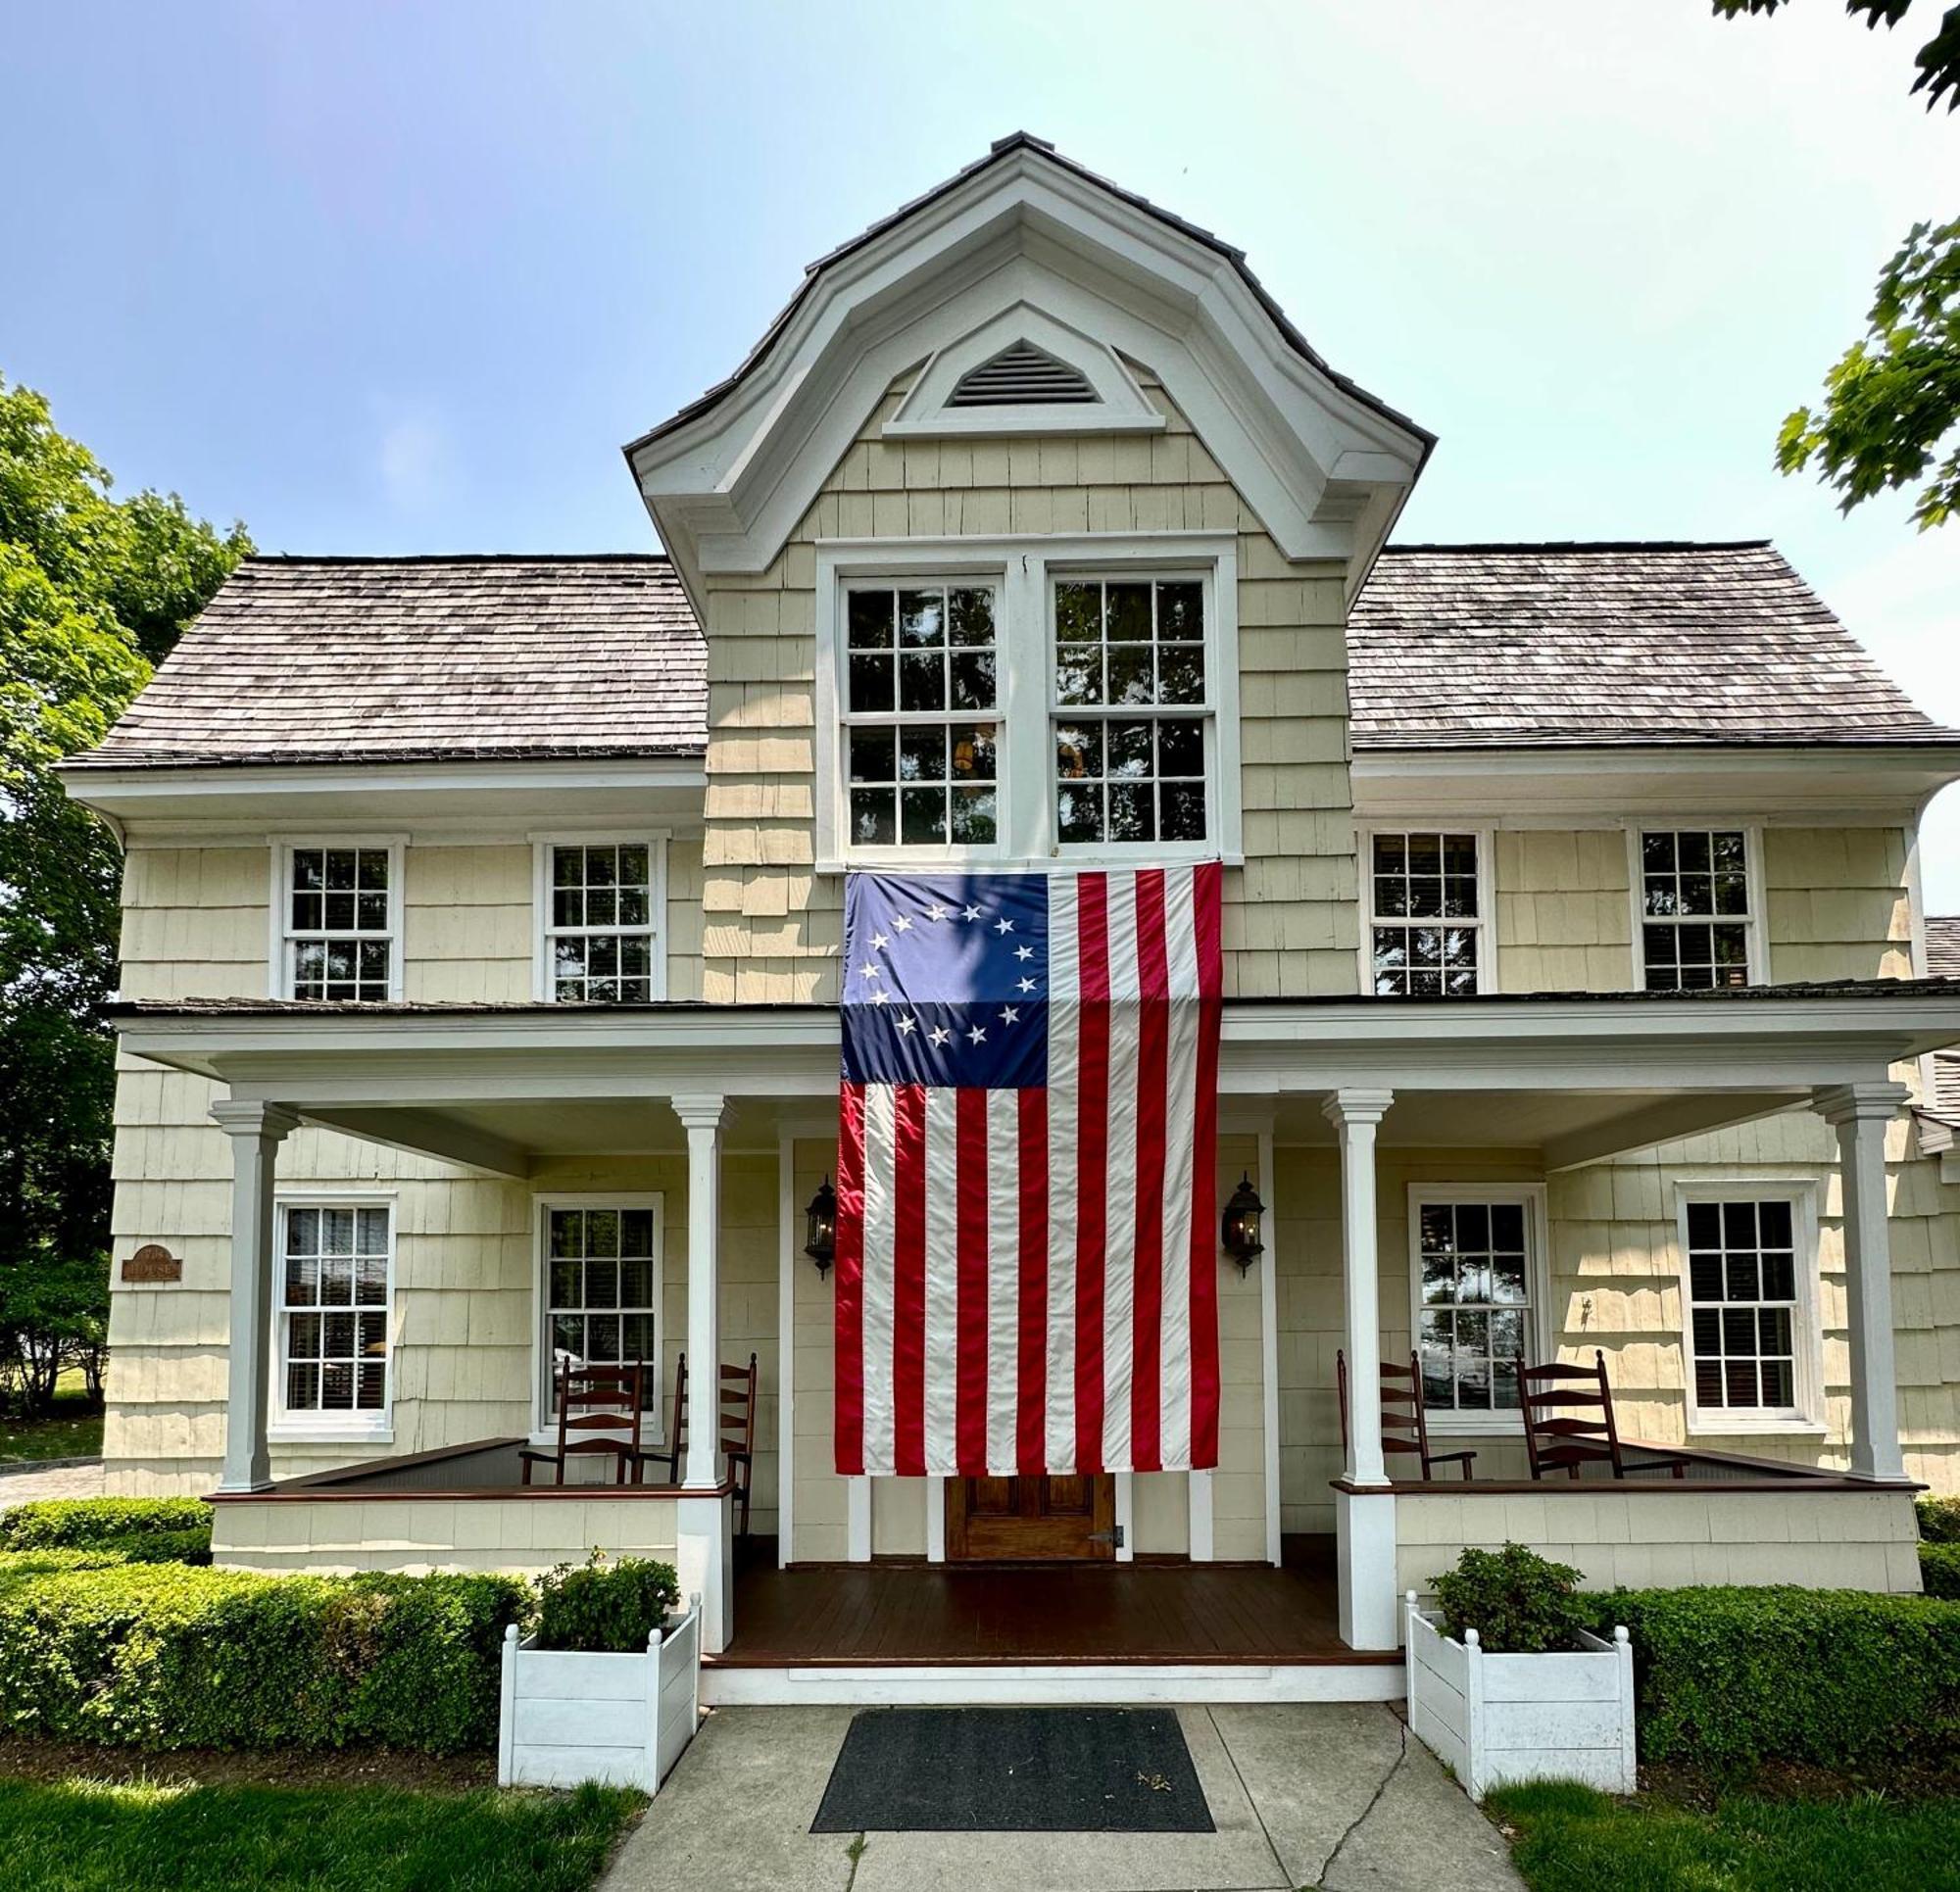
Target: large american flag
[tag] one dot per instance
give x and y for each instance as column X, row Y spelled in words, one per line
column 1026, row 1263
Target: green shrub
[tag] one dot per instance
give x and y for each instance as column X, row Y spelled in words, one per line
column 162, row 1546
column 1517, row 1601
column 56, row 1523
column 162, row 1656
column 16, row 1564
column 1940, row 1520
column 601, row 1606
column 1939, row 1570
column 1730, row 1678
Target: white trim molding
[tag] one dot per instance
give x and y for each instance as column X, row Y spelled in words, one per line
column 1804, row 1417
column 1023, row 571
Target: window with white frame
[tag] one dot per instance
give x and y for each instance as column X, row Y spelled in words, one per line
column 1695, row 909
column 336, row 1270
column 921, row 695
column 1474, row 1268
column 603, row 905
column 1131, row 710
column 1426, row 914
column 1746, row 1323
column 339, row 922
column 602, row 1290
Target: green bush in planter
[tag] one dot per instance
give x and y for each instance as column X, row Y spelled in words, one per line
column 1518, row 1602
column 605, row 1607
column 62, row 1523
column 163, row 1656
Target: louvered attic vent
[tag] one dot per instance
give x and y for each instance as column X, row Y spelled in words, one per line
column 1021, row 376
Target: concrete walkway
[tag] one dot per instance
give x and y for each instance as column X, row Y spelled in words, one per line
column 1335, row 1796
column 64, row 1481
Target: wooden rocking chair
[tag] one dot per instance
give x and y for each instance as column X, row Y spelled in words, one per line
column 1564, row 1444
column 738, row 1431
column 598, row 1417
column 1404, row 1418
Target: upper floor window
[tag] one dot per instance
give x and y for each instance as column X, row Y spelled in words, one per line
column 1022, row 699
column 334, row 1296
column 1426, row 914
column 1696, row 912
column 1748, row 1286
column 340, row 921
column 1129, row 710
column 920, row 696
column 603, row 907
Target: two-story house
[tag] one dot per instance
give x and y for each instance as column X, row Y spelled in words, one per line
column 482, row 922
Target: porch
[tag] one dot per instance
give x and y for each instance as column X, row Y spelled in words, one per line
column 1336, row 1109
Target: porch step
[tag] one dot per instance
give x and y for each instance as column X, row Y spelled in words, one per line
column 725, row 1684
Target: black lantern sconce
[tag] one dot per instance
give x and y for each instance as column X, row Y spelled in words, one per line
column 1238, row 1229
column 819, row 1238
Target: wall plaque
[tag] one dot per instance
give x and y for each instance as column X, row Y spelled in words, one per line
column 152, row 1263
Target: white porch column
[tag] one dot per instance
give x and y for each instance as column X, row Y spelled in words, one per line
column 1861, row 1114
column 705, row 1550
column 1365, row 1507
column 256, row 1131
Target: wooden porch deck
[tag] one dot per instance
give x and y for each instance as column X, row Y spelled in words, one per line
column 901, row 1614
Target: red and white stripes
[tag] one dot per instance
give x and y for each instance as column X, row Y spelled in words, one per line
column 1026, row 1279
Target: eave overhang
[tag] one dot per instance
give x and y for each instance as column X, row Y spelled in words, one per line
column 1324, row 465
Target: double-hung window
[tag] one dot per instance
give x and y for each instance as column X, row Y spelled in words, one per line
column 1475, row 1283
column 1130, row 711
column 603, row 914
column 336, row 1270
column 602, row 1290
column 1746, row 1283
column 920, row 705
column 339, row 912
column 1696, row 912
column 1426, row 914
column 1019, row 702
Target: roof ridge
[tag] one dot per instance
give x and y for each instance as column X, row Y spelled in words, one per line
column 456, row 557
column 1580, row 545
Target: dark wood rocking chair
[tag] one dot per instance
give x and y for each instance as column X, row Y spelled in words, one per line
column 738, row 1431
column 598, row 1417
column 1404, row 1418
column 1562, row 1443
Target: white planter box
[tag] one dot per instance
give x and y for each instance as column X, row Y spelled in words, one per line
column 621, row 1719
column 1499, row 1719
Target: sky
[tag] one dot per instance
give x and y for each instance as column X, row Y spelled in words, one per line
column 402, row 278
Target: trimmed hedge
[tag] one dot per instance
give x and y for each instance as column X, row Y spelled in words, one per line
column 16, row 1564
column 59, row 1524
column 1939, row 1570
column 1729, row 1678
column 162, row 1656
column 1940, row 1520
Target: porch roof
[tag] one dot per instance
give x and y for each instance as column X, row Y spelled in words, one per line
column 1576, row 1076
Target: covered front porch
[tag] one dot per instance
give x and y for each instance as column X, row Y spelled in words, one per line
column 1336, row 1110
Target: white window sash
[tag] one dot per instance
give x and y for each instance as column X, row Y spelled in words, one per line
column 284, row 936
column 544, row 982
column 544, row 1421
column 1754, row 921
column 304, row 1425
column 1484, row 925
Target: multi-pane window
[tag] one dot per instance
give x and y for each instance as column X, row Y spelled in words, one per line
column 339, row 927
column 1427, row 916
column 1129, row 656
column 601, row 1291
column 600, row 930
column 1472, row 1290
column 1742, row 1305
column 1695, row 909
column 333, row 1308
column 920, row 698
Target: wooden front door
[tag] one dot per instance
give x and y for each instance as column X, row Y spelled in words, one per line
column 1069, row 1519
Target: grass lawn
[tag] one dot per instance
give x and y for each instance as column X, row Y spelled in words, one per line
column 90, row 1836
column 1570, row 1839
column 73, row 1431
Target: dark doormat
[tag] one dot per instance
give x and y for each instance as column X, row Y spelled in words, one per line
column 1015, row 1771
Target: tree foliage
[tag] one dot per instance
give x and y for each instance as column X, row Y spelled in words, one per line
column 1891, row 401
column 93, row 590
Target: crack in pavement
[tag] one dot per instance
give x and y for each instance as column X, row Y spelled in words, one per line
column 1361, row 1818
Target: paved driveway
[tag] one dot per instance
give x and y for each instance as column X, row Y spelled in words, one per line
column 1334, row 1796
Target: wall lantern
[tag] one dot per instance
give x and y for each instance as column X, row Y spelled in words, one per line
column 819, row 1240
column 1239, row 1231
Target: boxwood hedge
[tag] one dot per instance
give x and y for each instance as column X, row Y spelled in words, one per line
column 164, row 1655
column 63, row 1524
column 1729, row 1678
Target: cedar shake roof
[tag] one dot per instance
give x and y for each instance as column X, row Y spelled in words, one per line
column 1942, row 946
column 554, row 656
column 435, row 659
column 1509, row 646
